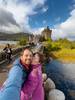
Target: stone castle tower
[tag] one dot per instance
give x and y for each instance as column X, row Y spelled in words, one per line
column 46, row 33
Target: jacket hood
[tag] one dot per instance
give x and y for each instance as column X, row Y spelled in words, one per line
column 17, row 62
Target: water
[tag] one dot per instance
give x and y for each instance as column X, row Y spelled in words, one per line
column 6, row 42
column 64, row 77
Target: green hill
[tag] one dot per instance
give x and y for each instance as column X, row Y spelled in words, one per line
column 12, row 37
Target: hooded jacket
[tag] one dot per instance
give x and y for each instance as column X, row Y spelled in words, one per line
column 12, row 86
column 33, row 87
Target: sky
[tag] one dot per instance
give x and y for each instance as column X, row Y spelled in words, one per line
column 35, row 15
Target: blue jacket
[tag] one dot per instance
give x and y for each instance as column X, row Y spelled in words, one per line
column 12, row 86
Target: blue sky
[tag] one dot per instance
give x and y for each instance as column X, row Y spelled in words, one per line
column 34, row 15
column 57, row 12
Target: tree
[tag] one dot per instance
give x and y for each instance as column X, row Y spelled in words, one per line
column 23, row 41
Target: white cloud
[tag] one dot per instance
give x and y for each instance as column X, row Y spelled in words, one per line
column 37, row 2
column 10, row 29
column 57, row 19
column 20, row 12
column 37, row 30
column 6, row 18
column 57, row 33
column 44, row 9
column 66, row 28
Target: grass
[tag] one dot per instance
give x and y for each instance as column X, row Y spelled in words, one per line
column 65, row 55
column 11, row 45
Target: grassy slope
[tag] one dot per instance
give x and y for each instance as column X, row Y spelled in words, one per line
column 65, row 55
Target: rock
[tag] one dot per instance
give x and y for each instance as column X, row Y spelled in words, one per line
column 44, row 77
column 49, row 85
column 56, row 95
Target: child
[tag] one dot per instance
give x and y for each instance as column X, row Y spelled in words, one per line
column 33, row 88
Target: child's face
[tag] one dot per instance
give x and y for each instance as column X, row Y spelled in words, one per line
column 36, row 59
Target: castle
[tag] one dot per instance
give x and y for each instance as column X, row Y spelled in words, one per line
column 46, row 33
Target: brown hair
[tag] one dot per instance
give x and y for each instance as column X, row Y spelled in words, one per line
column 40, row 56
column 26, row 48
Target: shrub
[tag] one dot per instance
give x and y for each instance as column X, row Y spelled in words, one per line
column 23, row 41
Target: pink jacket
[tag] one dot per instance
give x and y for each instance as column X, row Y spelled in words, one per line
column 33, row 88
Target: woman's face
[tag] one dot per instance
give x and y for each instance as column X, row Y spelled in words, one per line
column 36, row 59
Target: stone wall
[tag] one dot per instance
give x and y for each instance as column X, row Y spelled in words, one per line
column 14, row 52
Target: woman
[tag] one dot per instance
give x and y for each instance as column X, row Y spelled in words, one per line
column 33, row 88
column 8, row 52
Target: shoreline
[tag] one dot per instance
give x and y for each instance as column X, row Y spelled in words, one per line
column 64, row 55
column 65, row 61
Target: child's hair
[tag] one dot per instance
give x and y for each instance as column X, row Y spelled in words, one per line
column 40, row 56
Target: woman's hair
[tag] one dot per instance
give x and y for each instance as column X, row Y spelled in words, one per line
column 40, row 56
